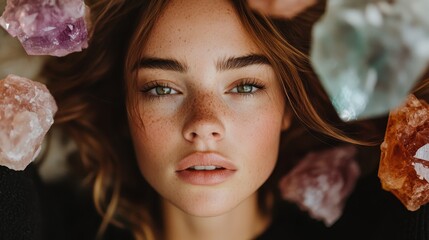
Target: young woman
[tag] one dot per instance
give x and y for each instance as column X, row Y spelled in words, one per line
column 205, row 87
column 179, row 108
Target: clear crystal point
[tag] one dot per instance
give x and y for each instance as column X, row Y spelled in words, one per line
column 368, row 54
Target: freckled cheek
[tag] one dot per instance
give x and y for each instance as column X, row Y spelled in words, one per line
column 159, row 121
column 260, row 122
column 260, row 141
column 158, row 130
column 151, row 140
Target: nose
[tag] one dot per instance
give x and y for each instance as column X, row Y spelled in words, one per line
column 203, row 120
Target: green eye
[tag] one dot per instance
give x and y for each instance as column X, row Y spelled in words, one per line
column 160, row 90
column 247, row 88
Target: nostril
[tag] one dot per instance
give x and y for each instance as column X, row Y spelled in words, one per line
column 203, row 132
column 215, row 135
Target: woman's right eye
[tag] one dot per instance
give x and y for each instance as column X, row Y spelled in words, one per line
column 158, row 90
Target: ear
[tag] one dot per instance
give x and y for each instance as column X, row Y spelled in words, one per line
column 287, row 119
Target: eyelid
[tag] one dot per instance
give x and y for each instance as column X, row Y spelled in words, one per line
column 146, row 88
column 247, row 81
column 152, row 84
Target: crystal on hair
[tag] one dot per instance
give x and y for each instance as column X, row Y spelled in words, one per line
column 43, row 27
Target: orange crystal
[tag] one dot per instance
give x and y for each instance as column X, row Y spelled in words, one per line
column 404, row 163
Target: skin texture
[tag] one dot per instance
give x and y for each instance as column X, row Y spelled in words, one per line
column 281, row 8
column 204, row 113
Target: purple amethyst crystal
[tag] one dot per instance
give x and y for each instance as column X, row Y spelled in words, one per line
column 47, row 27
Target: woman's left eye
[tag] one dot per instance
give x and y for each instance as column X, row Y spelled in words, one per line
column 246, row 88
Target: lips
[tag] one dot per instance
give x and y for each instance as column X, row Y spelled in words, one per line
column 205, row 169
column 196, row 160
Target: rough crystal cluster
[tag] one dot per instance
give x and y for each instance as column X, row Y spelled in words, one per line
column 404, row 163
column 26, row 114
column 321, row 182
column 47, row 27
column 369, row 53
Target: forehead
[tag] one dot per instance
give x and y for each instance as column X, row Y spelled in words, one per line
column 189, row 27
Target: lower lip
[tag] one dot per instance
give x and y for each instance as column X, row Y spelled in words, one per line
column 205, row 177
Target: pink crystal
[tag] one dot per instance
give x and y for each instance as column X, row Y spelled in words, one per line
column 321, row 182
column 47, row 27
column 26, row 114
column 404, row 163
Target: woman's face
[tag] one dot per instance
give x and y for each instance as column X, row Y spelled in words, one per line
column 211, row 107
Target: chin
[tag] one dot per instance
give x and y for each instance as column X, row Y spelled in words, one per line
column 208, row 206
column 207, row 211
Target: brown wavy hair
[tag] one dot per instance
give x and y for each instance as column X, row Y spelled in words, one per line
column 91, row 88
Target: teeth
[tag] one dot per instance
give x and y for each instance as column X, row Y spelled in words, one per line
column 204, row 167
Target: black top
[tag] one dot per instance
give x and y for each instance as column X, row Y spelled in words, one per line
column 370, row 213
column 60, row 211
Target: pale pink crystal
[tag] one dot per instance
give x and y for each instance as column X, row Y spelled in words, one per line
column 26, row 114
column 404, row 163
column 321, row 182
column 47, row 27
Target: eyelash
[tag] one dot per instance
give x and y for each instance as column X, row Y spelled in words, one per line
column 252, row 82
column 243, row 82
column 151, row 86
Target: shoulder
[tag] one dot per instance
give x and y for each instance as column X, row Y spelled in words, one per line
column 69, row 213
column 19, row 205
column 32, row 209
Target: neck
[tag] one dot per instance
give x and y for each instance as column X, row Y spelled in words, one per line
column 243, row 222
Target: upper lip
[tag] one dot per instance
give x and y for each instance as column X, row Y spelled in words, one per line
column 204, row 159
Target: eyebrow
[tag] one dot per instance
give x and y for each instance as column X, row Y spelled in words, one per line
column 163, row 64
column 221, row 65
column 240, row 62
